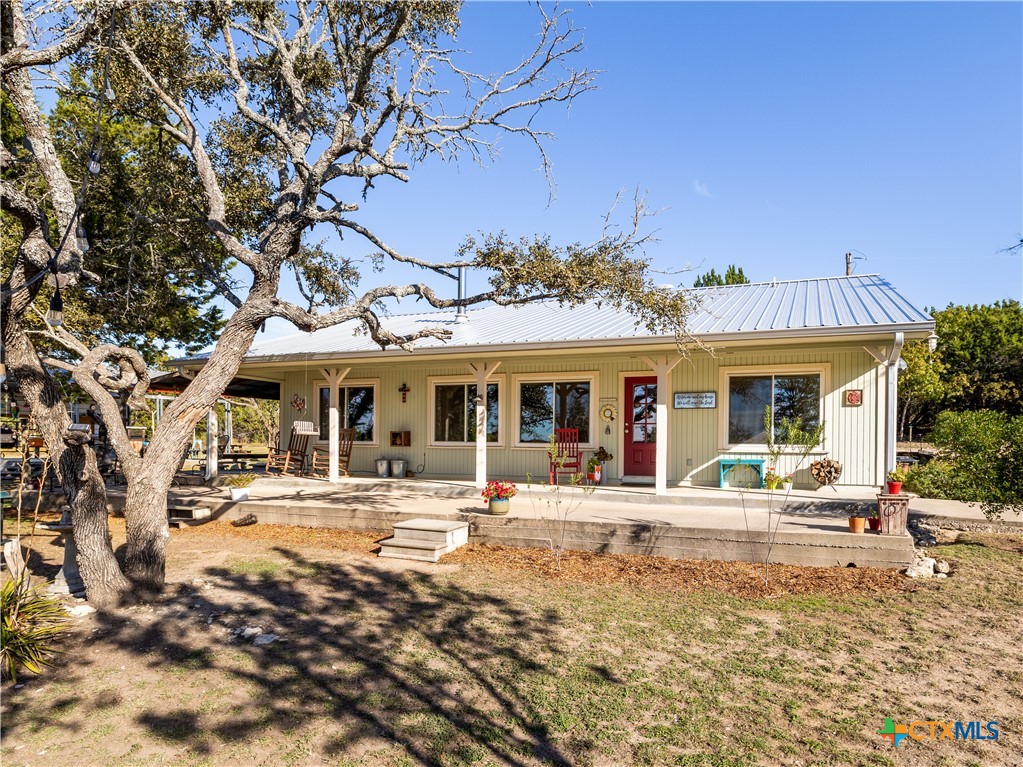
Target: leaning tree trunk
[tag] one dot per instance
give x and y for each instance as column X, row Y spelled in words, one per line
column 76, row 467
column 145, row 506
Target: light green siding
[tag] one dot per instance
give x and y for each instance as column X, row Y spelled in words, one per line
column 851, row 433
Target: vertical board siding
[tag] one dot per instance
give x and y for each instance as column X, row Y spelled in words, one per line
column 850, row 432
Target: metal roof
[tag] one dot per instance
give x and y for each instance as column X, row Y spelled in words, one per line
column 794, row 308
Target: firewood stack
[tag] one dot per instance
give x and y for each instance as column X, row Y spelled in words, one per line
column 826, row 471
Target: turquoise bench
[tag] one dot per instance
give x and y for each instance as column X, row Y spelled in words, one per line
column 727, row 464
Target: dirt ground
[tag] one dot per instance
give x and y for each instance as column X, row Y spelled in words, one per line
column 497, row 656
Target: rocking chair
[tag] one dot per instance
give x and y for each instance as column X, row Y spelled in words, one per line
column 291, row 462
column 567, row 459
column 321, row 456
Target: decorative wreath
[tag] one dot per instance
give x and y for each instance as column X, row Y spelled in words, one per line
column 608, row 413
column 298, row 402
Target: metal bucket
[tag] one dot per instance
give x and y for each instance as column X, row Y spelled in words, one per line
column 398, row 467
column 382, row 466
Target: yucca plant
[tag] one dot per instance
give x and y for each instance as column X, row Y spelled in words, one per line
column 30, row 624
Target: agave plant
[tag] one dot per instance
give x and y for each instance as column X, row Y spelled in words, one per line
column 31, row 622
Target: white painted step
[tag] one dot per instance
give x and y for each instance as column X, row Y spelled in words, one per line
column 453, row 534
column 425, row 540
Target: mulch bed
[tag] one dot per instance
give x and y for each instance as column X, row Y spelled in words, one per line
column 636, row 571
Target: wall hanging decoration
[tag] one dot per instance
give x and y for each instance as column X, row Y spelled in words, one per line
column 404, row 390
column 298, row 402
column 853, row 397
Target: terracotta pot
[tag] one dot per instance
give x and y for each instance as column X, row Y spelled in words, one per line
column 499, row 506
column 874, row 523
column 856, row 524
column 894, row 488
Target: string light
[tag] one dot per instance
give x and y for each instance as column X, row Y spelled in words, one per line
column 55, row 315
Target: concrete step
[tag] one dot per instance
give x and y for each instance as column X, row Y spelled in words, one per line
column 446, row 532
column 404, row 548
column 424, row 539
column 188, row 512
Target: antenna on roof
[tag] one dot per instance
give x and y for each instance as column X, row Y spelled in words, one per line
column 849, row 258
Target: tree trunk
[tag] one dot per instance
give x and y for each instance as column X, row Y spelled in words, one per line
column 105, row 585
column 145, row 515
column 76, row 467
column 145, row 508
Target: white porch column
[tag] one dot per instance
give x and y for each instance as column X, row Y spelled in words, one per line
column 212, row 445
column 482, row 372
column 662, row 366
column 334, row 377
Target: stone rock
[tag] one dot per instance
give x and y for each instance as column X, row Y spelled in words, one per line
column 942, row 568
column 80, row 611
column 250, row 631
column 264, row 639
column 924, row 568
column 941, row 575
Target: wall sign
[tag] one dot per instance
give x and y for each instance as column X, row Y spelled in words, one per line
column 703, row 399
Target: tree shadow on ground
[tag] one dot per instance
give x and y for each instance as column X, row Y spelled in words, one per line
column 369, row 657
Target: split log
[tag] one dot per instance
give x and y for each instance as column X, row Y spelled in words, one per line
column 826, row 471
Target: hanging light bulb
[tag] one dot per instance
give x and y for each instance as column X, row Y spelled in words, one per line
column 81, row 240
column 55, row 316
column 94, row 162
column 108, row 89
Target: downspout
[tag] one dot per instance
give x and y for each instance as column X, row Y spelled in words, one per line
column 892, row 402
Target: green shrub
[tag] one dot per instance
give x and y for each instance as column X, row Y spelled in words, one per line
column 31, row 622
column 981, row 461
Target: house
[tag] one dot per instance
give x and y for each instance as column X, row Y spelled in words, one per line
column 824, row 349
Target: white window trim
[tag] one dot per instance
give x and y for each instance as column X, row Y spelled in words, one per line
column 583, row 375
column 823, row 369
column 433, row 381
column 347, row 383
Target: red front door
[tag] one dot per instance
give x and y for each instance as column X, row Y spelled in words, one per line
column 641, row 426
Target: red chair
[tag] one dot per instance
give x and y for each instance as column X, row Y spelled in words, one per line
column 566, row 458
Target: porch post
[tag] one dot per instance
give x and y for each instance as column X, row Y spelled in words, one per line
column 482, row 372
column 334, row 377
column 212, row 446
column 662, row 367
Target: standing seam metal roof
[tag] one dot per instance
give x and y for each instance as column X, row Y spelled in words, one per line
column 813, row 305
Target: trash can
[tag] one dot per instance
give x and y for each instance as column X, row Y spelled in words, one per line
column 398, row 467
column 382, row 464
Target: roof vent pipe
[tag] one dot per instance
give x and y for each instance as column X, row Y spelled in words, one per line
column 460, row 314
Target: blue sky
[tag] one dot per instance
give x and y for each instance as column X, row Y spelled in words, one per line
column 775, row 136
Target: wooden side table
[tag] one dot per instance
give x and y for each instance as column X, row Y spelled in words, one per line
column 893, row 511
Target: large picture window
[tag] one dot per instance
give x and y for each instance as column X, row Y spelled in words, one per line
column 357, row 411
column 548, row 405
column 454, row 413
column 790, row 396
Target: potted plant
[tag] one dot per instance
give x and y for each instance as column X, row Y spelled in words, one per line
column 771, row 479
column 239, row 484
column 593, row 469
column 895, row 479
column 498, row 496
column 787, row 481
column 856, row 524
column 874, row 520
column 603, row 456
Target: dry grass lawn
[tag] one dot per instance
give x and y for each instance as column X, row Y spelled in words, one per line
column 496, row 657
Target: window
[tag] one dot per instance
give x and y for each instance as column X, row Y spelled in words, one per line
column 357, row 411
column 791, row 396
column 548, row 405
column 454, row 413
